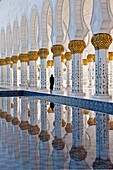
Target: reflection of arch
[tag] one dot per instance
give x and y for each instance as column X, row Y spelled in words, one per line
column 9, row 41
column 2, row 43
column 34, row 30
column 16, row 37
column 45, row 14
column 24, row 35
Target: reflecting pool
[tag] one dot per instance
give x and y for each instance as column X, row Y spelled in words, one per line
column 37, row 134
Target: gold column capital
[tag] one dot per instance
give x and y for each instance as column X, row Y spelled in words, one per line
column 33, row 55
column 68, row 56
column 2, row 62
column 8, row 60
column 43, row 53
column 62, row 58
column 57, row 50
column 14, row 59
column 23, row 58
column 90, row 57
column 101, row 41
column 77, row 46
column 110, row 56
column 85, row 62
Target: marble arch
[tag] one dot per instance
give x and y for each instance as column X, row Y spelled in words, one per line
column 9, row 41
column 16, row 38
column 34, row 31
column 24, row 35
column 3, row 44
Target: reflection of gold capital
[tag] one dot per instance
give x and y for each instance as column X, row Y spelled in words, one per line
column 68, row 56
column 91, row 122
column 110, row 56
column 33, row 55
column 101, row 41
column 85, row 112
column 77, row 46
column 57, row 50
column 34, row 130
column 43, row 53
column 23, row 58
column 14, row 59
column 2, row 62
column 8, row 60
column 90, row 57
column 85, row 62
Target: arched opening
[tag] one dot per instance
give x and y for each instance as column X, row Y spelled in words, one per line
column 34, row 31
column 24, row 35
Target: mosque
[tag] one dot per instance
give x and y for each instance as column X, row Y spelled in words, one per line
column 71, row 39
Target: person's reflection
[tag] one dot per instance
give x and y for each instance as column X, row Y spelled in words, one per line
column 52, row 106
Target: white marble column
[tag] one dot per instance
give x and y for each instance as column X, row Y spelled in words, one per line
column 33, row 56
column 58, row 143
column 111, row 70
column 77, row 152
column 24, row 73
column 15, row 69
column 101, row 42
column 43, row 53
column 44, row 135
column 24, row 125
column 85, row 73
column 57, row 51
column 90, row 70
column 68, row 127
column 9, row 116
column 102, row 142
column 34, row 128
column 68, row 57
column 77, row 47
column 3, row 72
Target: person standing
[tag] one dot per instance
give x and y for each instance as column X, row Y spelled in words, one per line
column 51, row 83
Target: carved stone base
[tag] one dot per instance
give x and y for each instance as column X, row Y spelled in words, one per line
column 9, row 118
column 78, row 153
column 68, row 128
column 15, row 121
column 34, row 130
column 58, row 143
column 44, row 136
column 24, row 125
column 102, row 164
column 3, row 115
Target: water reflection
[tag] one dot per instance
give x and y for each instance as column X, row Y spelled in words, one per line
column 77, row 141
